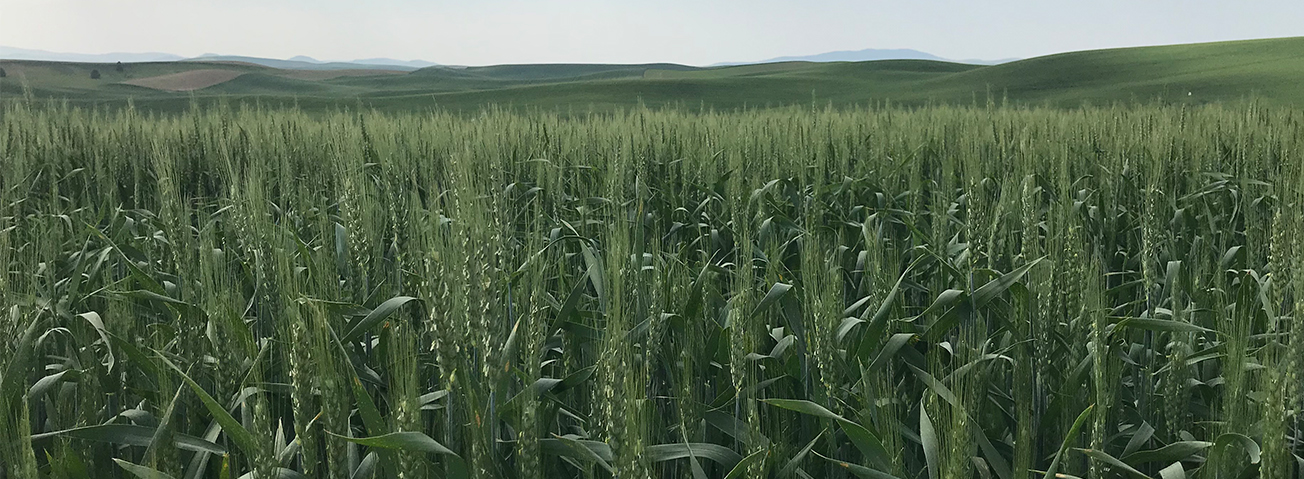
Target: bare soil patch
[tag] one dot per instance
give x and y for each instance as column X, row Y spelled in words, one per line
column 319, row 75
column 186, row 81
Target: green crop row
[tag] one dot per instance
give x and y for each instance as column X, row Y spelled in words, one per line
column 935, row 293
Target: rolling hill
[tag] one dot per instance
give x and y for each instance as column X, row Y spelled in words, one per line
column 867, row 55
column 298, row 63
column 1195, row 73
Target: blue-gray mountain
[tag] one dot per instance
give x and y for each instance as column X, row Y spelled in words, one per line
column 11, row 53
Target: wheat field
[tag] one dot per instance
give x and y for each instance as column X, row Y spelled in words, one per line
column 943, row 292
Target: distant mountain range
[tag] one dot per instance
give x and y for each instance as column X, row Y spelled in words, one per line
column 389, row 62
column 11, row 53
column 870, row 54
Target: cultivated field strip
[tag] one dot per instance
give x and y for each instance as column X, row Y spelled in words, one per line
column 935, row 293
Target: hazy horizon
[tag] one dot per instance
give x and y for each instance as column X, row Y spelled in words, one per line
column 590, row 31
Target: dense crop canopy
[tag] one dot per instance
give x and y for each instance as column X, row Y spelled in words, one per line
column 941, row 293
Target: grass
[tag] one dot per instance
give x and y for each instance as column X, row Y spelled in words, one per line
column 1225, row 72
column 944, row 292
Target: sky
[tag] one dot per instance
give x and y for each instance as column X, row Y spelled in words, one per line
column 694, row 32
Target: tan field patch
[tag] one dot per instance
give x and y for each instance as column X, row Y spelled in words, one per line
column 319, row 75
column 186, row 81
column 227, row 62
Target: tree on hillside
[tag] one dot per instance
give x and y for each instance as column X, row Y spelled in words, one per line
column 119, row 67
column 95, row 74
column 2, row 73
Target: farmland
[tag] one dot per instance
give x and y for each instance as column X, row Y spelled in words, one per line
column 1194, row 74
column 946, row 292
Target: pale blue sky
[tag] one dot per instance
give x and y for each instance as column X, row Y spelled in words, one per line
column 696, row 32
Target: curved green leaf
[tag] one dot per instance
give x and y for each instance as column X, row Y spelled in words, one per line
column 857, row 469
column 96, row 322
column 776, row 292
column 281, row 473
column 936, row 386
column 741, row 469
column 555, row 445
column 403, row 441
column 16, row 365
column 412, row 442
column 1246, row 444
column 1160, row 325
column 864, row 440
column 367, row 468
column 943, row 301
column 998, row 286
column 878, row 322
column 792, row 466
column 1104, row 457
column 928, row 437
column 141, row 472
column 666, row 452
column 1173, row 471
column 45, row 384
column 1068, row 441
column 1139, row 438
column 575, row 449
column 1173, row 452
column 889, row 350
column 381, row 313
column 238, row 433
column 132, row 436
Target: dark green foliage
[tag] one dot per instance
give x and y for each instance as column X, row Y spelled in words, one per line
column 944, row 292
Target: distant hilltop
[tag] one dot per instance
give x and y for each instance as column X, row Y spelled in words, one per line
column 868, row 55
column 1266, row 70
column 295, row 63
column 303, row 62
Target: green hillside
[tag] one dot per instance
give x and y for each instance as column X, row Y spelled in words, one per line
column 567, row 72
column 296, row 65
column 1196, row 73
column 73, row 80
column 1269, row 69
